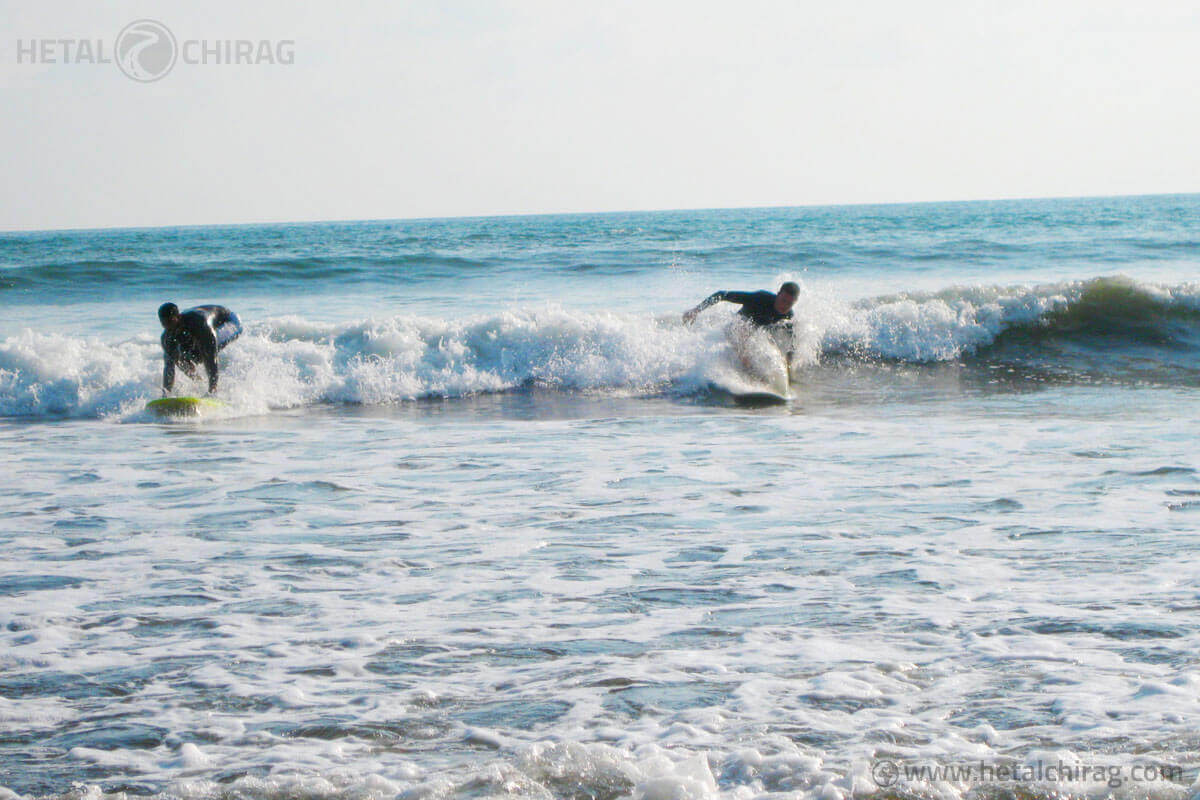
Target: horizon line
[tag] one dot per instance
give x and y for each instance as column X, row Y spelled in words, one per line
column 85, row 229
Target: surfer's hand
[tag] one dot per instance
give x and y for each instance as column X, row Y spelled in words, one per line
column 689, row 316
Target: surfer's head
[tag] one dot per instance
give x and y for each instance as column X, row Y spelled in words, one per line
column 786, row 297
column 168, row 315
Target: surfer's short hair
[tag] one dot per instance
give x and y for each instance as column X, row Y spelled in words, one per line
column 167, row 311
column 791, row 288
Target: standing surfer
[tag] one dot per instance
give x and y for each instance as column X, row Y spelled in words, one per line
column 194, row 336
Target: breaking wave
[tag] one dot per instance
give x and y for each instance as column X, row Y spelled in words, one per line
column 1099, row 327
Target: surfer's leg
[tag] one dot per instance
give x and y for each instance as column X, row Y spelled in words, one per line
column 738, row 333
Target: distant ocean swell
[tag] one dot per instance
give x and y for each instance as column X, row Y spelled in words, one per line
column 386, row 262
column 231, row 273
column 1097, row 328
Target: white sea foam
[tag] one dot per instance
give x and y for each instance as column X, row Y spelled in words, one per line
column 695, row 607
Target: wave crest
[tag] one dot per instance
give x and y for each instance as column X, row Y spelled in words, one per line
column 977, row 320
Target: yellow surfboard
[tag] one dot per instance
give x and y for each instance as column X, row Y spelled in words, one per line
column 182, row 406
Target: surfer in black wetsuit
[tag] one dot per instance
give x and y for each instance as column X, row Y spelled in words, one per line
column 761, row 309
column 195, row 336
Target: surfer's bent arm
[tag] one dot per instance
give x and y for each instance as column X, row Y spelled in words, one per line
column 713, row 299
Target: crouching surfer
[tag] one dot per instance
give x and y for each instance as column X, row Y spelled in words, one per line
column 194, row 337
column 762, row 309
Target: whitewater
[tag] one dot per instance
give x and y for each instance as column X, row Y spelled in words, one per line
column 481, row 517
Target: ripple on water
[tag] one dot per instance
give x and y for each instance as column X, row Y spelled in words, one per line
column 280, row 490
column 522, row 715
column 642, row 698
column 23, row 584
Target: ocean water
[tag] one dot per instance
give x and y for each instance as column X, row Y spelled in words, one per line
column 480, row 518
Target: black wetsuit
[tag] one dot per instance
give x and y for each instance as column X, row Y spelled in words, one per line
column 757, row 307
column 201, row 332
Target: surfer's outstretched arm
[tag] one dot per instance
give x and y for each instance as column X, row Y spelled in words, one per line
column 713, row 299
column 690, row 315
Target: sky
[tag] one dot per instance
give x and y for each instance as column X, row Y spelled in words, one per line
column 425, row 109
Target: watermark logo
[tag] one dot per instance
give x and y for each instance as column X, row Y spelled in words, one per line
column 885, row 773
column 888, row 774
column 145, row 50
